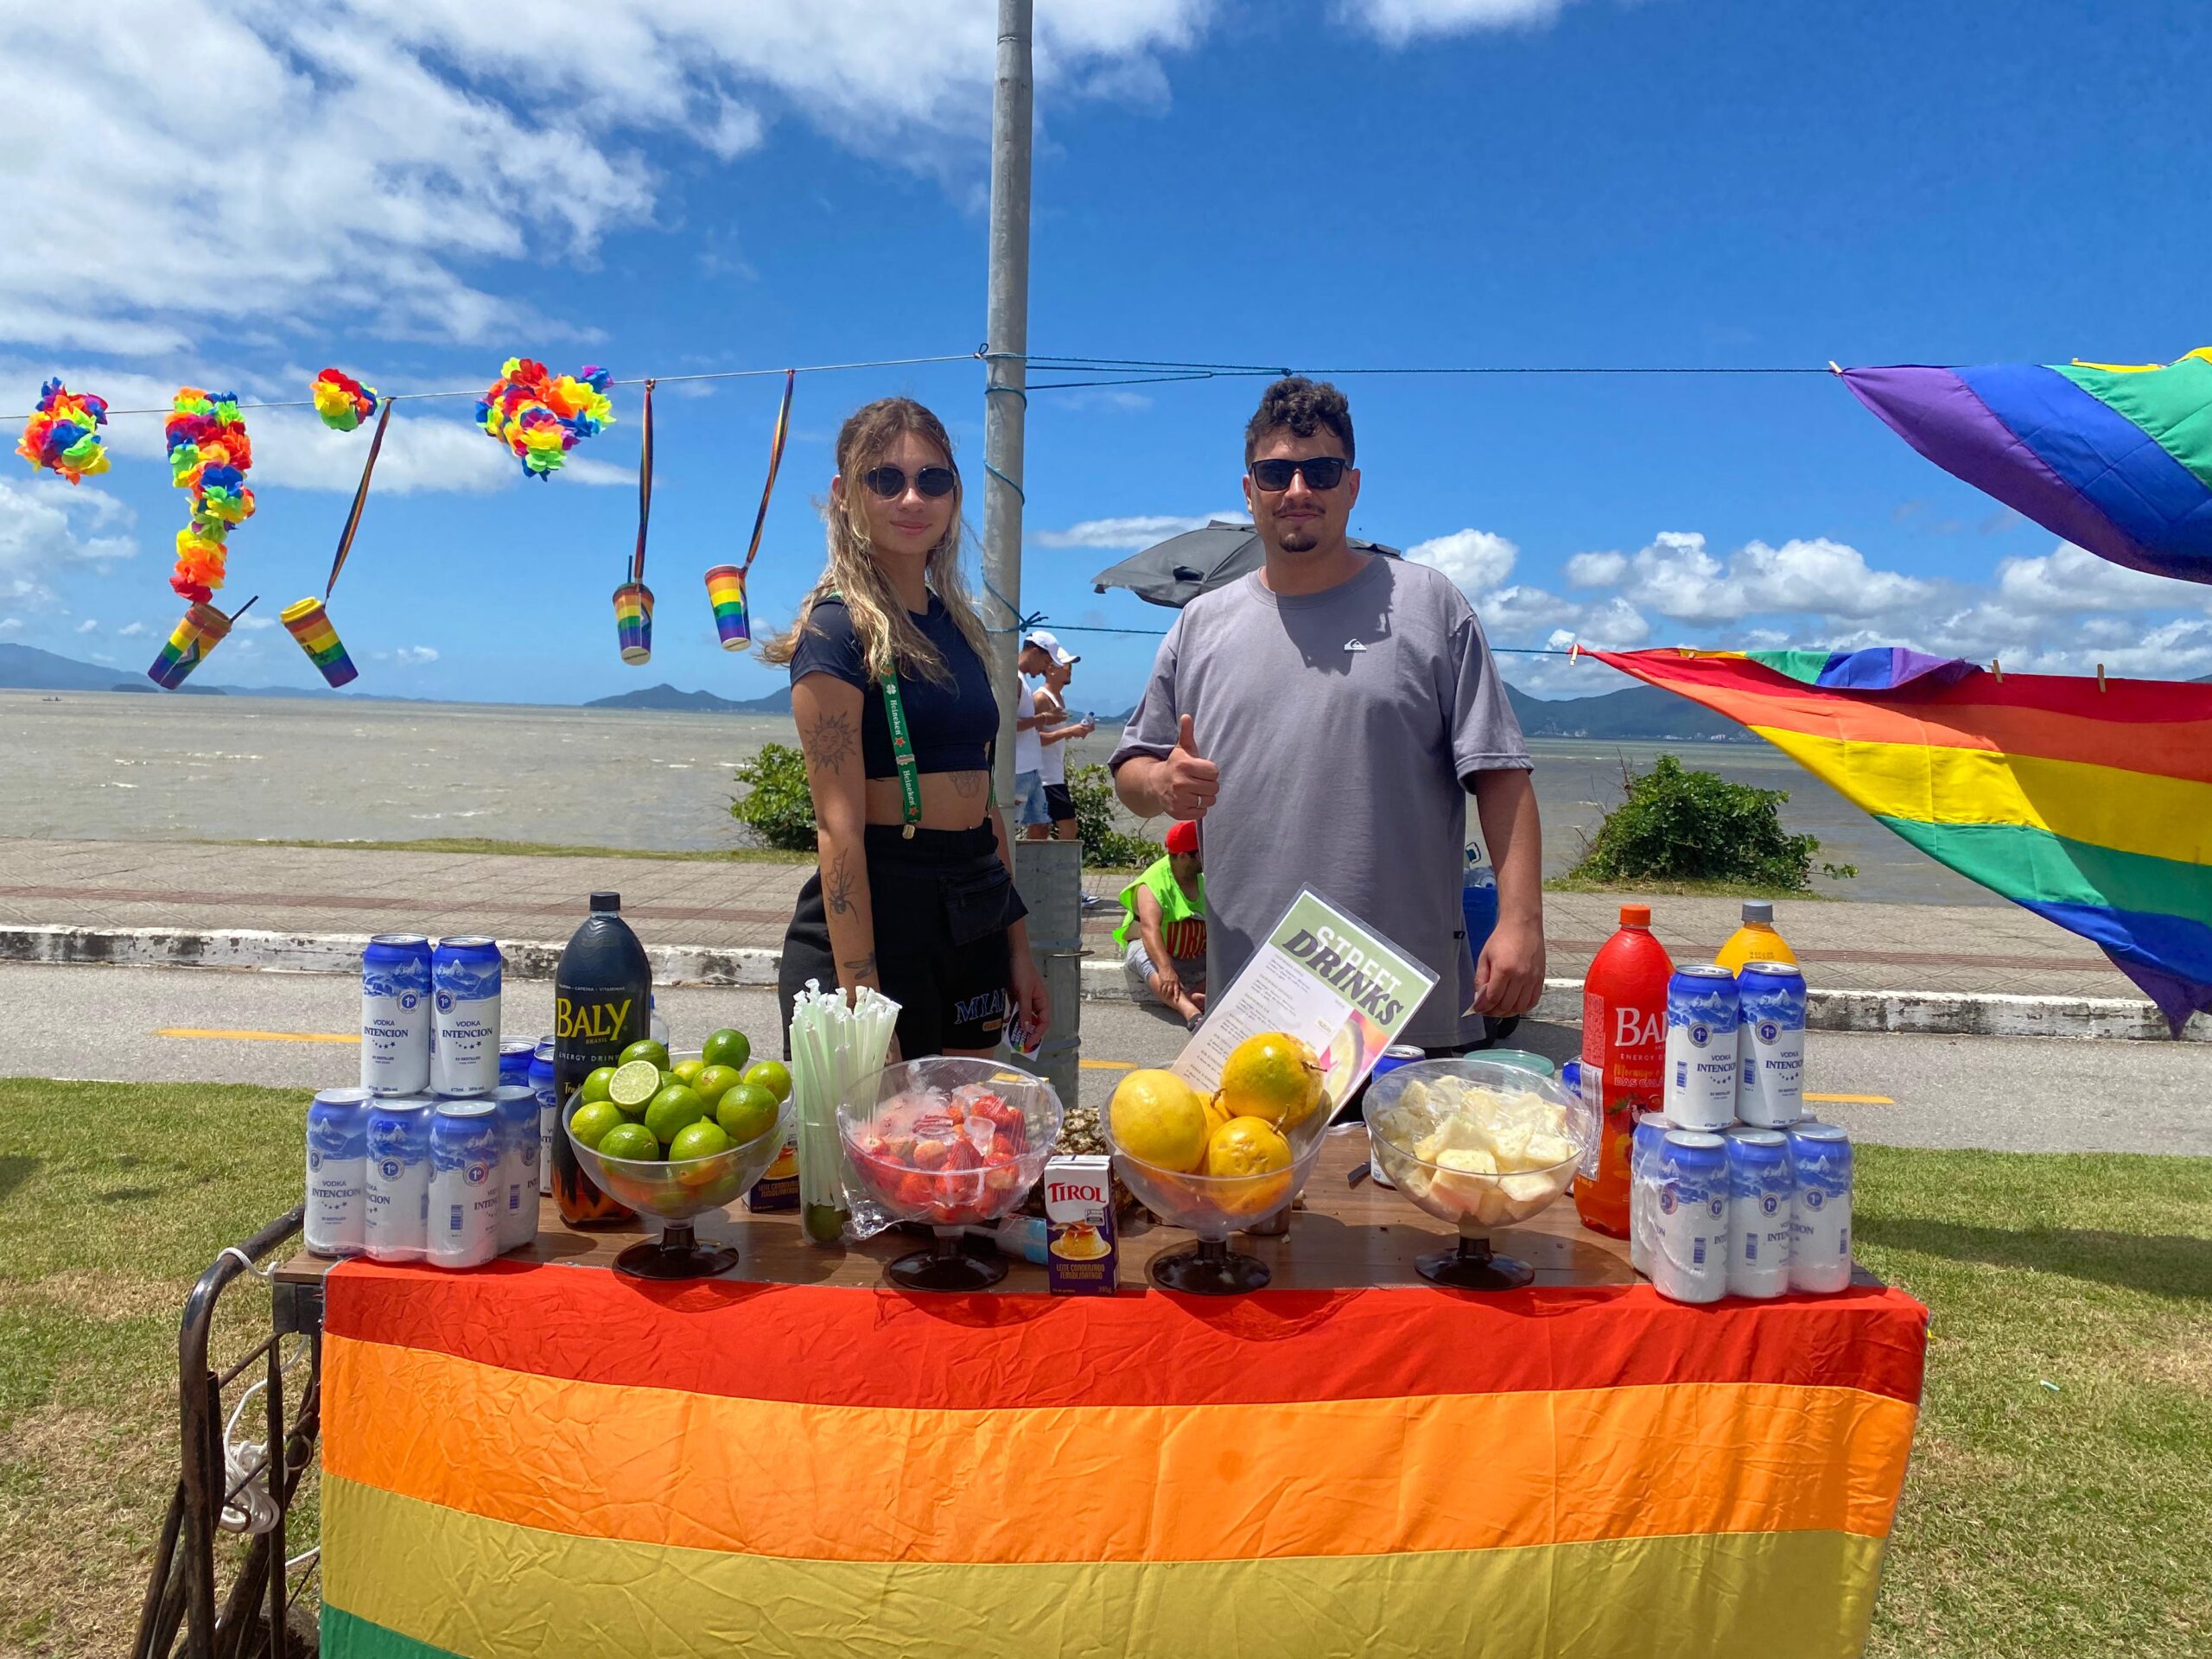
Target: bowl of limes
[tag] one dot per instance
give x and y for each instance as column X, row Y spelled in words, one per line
column 675, row 1136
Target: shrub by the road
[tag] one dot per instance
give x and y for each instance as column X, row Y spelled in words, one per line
column 1682, row 825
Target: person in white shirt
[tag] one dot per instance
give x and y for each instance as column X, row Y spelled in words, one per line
column 1053, row 740
column 1033, row 709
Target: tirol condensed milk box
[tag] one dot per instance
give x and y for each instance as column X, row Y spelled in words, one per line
column 1080, row 1254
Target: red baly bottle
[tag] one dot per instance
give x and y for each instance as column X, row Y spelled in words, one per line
column 1624, row 1060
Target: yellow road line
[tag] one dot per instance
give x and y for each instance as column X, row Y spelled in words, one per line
column 1852, row 1100
column 1110, row 1065
column 261, row 1036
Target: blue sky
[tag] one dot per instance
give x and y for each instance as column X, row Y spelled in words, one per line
column 1369, row 182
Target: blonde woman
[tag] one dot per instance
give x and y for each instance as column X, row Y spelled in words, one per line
column 914, row 892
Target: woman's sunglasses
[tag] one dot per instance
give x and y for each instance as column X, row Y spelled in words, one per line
column 890, row 482
column 1322, row 473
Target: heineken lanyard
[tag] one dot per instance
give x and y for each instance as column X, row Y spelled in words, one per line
column 902, row 744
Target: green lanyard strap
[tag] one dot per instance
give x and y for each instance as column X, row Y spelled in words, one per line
column 902, row 744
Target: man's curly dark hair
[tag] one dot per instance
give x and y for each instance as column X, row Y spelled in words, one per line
column 1305, row 406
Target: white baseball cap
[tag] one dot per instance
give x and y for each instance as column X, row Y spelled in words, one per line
column 1051, row 645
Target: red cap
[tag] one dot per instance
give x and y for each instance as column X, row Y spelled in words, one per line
column 1635, row 915
column 1183, row 837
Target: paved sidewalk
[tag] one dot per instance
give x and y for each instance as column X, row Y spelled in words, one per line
column 114, row 885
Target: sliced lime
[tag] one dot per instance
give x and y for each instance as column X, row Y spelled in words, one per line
column 634, row 1082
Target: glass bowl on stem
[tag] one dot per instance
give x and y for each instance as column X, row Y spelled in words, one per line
column 1213, row 1206
column 953, row 1143
column 1406, row 1111
column 674, row 1191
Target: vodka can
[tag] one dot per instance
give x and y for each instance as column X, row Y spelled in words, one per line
column 1689, row 1233
column 516, row 1106
column 338, row 1171
column 1644, row 1140
column 396, row 1214
column 1771, row 1090
column 1820, row 1226
column 515, row 1056
column 395, row 1014
column 1702, row 1012
column 465, row 1195
column 465, row 1017
column 1761, row 1212
column 549, row 1112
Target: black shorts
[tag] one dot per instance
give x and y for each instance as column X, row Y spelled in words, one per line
column 943, row 903
column 1059, row 801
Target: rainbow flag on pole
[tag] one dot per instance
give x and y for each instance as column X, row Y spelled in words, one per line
column 2116, row 459
column 2087, row 802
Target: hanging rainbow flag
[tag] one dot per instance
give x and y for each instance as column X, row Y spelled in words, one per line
column 2116, row 459
column 2087, row 803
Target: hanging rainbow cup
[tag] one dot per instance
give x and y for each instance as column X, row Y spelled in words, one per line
column 311, row 625
column 726, row 592
column 634, row 622
column 199, row 633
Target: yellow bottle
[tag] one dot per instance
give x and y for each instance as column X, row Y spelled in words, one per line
column 1755, row 941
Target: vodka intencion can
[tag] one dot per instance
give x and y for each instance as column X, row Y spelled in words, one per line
column 338, row 1171
column 1820, row 1229
column 395, row 1014
column 1689, row 1234
column 1650, row 1129
column 1760, row 1207
column 1702, row 1012
column 549, row 1112
column 515, row 1104
column 1770, row 1092
column 515, row 1053
column 465, row 1001
column 395, row 1217
column 466, row 1194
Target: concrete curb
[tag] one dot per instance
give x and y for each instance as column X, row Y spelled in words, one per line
column 1928, row 1013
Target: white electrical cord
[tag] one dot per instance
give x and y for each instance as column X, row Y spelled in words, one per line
column 245, row 1465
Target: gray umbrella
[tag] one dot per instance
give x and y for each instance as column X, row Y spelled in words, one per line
column 1176, row 571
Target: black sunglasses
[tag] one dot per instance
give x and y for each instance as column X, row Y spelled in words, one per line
column 890, row 482
column 1322, row 473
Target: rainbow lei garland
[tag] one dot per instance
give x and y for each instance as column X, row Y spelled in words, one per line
column 540, row 417
column 343, row 402
column 209, row 455
column 64, row 435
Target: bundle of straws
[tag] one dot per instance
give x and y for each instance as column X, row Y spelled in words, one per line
column 834, row 1048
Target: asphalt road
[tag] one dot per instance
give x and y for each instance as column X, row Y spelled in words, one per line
column 291, row 1030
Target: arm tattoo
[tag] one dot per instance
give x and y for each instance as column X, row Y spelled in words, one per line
column 859, row 966
column 838, row 887
column 969, row 785
column 830, row 743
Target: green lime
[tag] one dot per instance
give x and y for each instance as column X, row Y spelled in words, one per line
column 671, row 1109
column 646, row 1049
column 727, row 1047
column 687, row 1071
column 771, row 1075
column 596, row 1085
column 635, row 1083
column 701, row 1140
column 746, row 1112
column 630, row 1141
column 715, row 1082
column 593, row 1119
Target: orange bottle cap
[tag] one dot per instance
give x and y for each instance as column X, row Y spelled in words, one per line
column 1635, row 915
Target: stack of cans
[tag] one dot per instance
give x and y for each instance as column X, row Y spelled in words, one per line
column 1732, row 1190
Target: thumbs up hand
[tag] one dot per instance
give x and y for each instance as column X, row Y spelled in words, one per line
column 1189, row 782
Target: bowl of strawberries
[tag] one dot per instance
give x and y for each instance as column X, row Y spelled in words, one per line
column 951, row 1143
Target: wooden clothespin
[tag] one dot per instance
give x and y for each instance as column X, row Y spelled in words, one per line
column 1834, row 367
column 1575, row 652
column 2101, row 678
column 1997, row 669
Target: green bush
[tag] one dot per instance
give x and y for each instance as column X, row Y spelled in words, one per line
column 1679, row 825
column 777, row 805
column 1106, row 846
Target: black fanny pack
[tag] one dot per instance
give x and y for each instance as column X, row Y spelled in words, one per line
column 977, row 904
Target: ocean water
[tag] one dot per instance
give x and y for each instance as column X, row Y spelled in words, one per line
column 100, row 766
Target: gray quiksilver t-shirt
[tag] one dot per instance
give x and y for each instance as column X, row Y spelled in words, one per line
column 1344, row 723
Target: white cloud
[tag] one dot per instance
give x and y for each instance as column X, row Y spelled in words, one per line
column 1398, row 21
column 131, row 630
column 1676, row 578
column 414, row 654
column 1475, row 560
column 1596, row 569
column 256, row 622
column 1139, row 530
column 1679, row 577
column 2070, row 579
column 45, row 525
column 11, row 625
column 90, row 625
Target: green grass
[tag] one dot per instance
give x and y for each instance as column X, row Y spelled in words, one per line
column 541, row 849
column 1688, row 889
column 2038, row 1520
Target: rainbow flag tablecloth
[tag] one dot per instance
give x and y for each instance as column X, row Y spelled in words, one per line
column 533, row 1460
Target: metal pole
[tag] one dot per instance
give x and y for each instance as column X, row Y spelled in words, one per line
column 1007, row 343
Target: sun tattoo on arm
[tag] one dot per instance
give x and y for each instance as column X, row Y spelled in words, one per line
column 829, row 745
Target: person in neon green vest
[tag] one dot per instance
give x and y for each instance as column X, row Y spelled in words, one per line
column 1163, row 930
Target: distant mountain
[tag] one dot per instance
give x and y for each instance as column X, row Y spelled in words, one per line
column 666, row 697
column 1638, row 714
column 26, row 668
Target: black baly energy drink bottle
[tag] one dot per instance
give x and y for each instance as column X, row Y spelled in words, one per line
column 602, row 1000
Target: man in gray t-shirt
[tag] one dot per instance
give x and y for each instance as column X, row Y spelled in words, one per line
column 1327, row 716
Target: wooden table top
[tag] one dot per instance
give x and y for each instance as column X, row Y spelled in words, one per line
column 1341, row 1237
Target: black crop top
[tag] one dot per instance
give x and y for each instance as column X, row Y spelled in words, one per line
column 953, row 726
